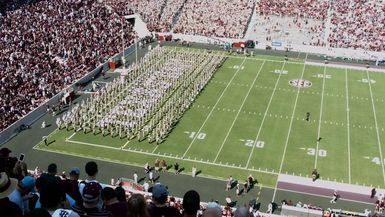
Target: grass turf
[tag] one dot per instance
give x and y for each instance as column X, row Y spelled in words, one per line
column 248, row 119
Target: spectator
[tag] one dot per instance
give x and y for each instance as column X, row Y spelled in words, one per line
column 159, row 206
column 91, row 197
column 34, row 202
column 242, row 212
column 191, row 203
column 212, row 212
column 50, row 176
column 91, row 169
column 52, row 198
column 71, row 185
column 7, row 163
column 112, row 204
column 146, row 186
column 19, row 170
column 23, row 192
column 39, row 212
column 227, row 19
column 121, row 194
column 39, row 62
column 7, row 186
column 137, row 206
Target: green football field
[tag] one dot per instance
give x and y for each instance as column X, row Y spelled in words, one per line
column 251, row 119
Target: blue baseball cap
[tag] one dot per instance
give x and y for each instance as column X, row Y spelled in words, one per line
column 75, row 170
column 159, row 190
column 28, row 182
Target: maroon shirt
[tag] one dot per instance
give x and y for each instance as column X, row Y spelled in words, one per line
column 118, row 209
column 90, row 212
column 12, row 210
column 165, row 211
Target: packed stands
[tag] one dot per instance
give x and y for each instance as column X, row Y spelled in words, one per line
column 159, row 15
column 70, row 37
column 358, row 24
column 296, row 21
column 216, row 18
column 48, row 45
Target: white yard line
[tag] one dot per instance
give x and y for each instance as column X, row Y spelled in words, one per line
column 49, row 135
column 264, row 116
column 153, row 151
column 72, row 135
column 125, row 144
column 239, row 111
column 320, row 118
column 124, row 163
column 376, row 124
column 347, row 121
column 209, row 115
column 165, row 156
column 289, row 131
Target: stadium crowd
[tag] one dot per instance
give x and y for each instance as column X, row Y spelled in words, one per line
column 39, row 194
column 312, row 9
column 298, row 21
column 353, row 23
column 358, row 24
column 47, row 45
column 227, row 19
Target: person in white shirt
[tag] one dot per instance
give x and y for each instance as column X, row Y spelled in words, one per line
column 136, row 178
column 146, row 186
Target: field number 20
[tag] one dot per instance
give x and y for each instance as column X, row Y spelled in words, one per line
column 321, row 152
column 251, row 143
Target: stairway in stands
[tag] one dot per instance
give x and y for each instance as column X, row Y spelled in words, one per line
column 177, row 15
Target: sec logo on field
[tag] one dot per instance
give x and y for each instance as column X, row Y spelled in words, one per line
column 300, row 83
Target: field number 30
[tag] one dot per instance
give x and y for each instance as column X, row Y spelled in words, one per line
column 321, row 152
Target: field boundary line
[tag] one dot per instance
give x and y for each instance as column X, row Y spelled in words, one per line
column 345, row 66
column 289, row 130
column 268, row 60
column 169, row 156
column 122, row 162
column 239, row 111
column 264, row 116
column 216, row 103
column 319, row 195
column 376, row 124
column 320, row 119
column 348, row 121
column 49, row 135
column 72, row 135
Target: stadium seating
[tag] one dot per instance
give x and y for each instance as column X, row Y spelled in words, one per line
column 48, row 45
column 70, row 37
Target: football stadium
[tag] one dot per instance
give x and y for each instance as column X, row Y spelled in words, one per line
column 192, row 108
